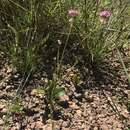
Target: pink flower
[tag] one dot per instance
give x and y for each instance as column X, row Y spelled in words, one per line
column 105, row 14
column 73, row 12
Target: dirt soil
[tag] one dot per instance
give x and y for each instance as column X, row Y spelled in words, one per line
column 94, row 100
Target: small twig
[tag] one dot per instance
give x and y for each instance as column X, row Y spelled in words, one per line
column 114, row 107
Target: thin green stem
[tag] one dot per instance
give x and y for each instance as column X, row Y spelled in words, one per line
column 123, row 64
column 18, row 5
column 66, row 43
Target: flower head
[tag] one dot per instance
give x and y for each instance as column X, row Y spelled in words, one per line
column 73, row 12
column 105, row 14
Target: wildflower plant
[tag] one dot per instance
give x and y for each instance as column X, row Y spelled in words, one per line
column 27, row 26
column 99, row 25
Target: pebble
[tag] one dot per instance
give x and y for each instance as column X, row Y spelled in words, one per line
column 78, row 95
column 17, row 125
column 4, row 111
column 39, row 125
column 1, row 107
column 79, row 112
column 9, row 87
column 32, row 125
column 33, row 92
column 65, row 124
column 1, row 122
column 16, row 76
column 2, row 94
column 64, row 98
column 86, row 94
column 73, row 105
column 95, row 128
column 3, row 86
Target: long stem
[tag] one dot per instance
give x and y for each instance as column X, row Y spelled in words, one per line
column 123, row 64
column 66, row 43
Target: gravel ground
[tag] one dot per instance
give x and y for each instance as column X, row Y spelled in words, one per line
column 93, row 100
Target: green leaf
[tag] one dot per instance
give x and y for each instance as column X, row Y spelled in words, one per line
column 40, row 91
column 16, row 108
column 58, row 92
column 105, row 2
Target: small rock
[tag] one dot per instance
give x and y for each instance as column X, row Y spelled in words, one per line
column 78, row 95
column 65, row 128
column 4, row 111
column 46, row 80
column 83, row 100
column 63, row 98
column 95, row 128
column 2, row 106
column 73, row 105
column 125, row 113
column 33, row 92
column 79, row 112
column 71, row 74
column 1, row 122
column 2, row 86
column 118, row 129
column 17, row 125
column 104, row 127
column 47, row 127
column 37, row 102
column 39, row 125
column 86, row 94
column 16, row 76
column 40, row 96
column 9, row 70
column 32, row 125
column 3, row 95
column 65, row 124
column 128, row 94
column 9, row 87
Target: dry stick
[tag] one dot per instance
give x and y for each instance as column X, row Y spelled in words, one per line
column 22, row 84
column 114, row 107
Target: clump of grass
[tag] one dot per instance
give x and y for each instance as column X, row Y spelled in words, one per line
column 15, row 111
column 99, row 25
column 23, row 32
column 24, row 28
